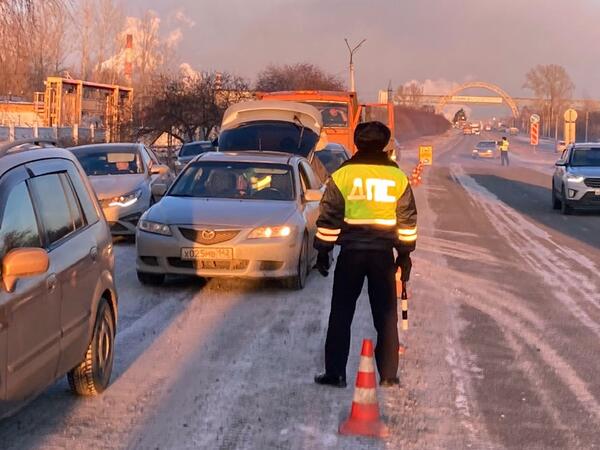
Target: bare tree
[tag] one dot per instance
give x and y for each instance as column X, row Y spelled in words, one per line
column 410, row 94
column 190, row 106
column 297, row 77
column 552, row 85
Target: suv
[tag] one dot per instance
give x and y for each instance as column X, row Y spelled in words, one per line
column 58, row 303
column 576, row 180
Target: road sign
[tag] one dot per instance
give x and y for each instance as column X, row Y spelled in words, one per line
column 534, row 118
column 570, row 115
column 426, row 154
column 534, row 135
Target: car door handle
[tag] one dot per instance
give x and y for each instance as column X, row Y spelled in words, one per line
column 94, row 254
column 51, row 283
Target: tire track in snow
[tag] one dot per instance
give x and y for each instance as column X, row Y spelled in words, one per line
column 561, row 268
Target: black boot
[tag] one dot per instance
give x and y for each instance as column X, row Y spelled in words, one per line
column 389, row 382
column 331, row 380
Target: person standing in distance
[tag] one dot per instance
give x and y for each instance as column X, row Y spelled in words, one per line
column 368, row 209
column 504, row 144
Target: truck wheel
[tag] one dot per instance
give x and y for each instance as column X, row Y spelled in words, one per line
column 92, row 375
column 151, row 279
column 298, row 281
column 565, row 209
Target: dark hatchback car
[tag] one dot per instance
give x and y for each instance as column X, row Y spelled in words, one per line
column 333, row 156
column 58, row 303
column 190, row 150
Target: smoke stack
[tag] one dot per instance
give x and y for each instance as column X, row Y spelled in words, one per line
column 129, row 58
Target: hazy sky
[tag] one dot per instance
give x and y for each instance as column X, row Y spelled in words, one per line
column 440, row 40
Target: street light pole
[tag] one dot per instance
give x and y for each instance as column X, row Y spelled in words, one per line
column 352, row 51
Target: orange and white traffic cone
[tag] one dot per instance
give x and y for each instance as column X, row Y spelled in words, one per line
column 364, row 417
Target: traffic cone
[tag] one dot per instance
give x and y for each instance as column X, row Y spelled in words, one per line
column 364, row 417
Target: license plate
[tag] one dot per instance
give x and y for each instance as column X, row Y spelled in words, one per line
column 199, row 254
column 597, row 191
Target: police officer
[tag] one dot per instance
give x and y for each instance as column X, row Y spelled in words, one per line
column 504, row 144
column 368, row 209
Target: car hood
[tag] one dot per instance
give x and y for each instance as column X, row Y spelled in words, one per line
column 221, row 212
column 585, row 171
column 108, row 186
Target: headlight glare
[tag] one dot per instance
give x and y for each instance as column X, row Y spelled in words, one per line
column 575, row 178
column 126, row 199
column 155, row 227
column 270, row 232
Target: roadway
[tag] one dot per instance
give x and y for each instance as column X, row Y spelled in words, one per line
column 505, row 320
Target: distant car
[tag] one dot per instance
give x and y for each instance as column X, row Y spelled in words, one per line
column 333, row 156
column 127, row 178
column 190, row 150
column 467, row 131
column 561, row 146
column 233, row 214
column 576, row 180
column 58, row 303
column 488, row 128
column 485, row 149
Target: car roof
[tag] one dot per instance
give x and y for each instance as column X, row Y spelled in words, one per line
column 248, row 156
column 197, row 142
column 115, row 146
column 27, row 155
column 584, row 145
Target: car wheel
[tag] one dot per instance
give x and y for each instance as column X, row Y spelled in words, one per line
column 298, row 281
column 151, row 279
column 92, row 375
column 556, row 203
column 565, row 209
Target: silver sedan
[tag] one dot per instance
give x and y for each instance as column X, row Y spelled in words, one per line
column 248, row 214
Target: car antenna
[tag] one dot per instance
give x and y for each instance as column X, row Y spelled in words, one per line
column 297, row 119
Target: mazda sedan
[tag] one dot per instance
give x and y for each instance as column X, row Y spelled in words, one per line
column 244, row 214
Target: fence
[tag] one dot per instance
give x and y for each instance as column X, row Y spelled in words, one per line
column 66, row 136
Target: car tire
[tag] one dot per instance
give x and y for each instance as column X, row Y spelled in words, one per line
column 565, row 209
column 92, row 375
column 298, row 281
column 151, row 279
column 556, row 203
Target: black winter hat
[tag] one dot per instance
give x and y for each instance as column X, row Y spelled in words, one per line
column 371, row 137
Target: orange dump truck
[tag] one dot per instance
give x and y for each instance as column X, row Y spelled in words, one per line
column 340, row 110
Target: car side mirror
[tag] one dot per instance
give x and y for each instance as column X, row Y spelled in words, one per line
column 159, row 189
column 159, row 169
column 560, row 164
column 23, row 262
column 313, row 195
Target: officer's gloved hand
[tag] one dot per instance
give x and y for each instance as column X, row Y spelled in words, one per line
column 404, row 262
column 323, row 263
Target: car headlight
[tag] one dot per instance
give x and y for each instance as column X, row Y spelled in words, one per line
column 270, row 232
column 155, row 227
column 575, row 178
column 126, row 200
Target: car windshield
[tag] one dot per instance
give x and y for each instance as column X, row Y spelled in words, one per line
column 586, row 157
column 195, row 148
column 242, row 181
column 269, row 135
column 335, row 114
column 331, row 159
column 109, row 160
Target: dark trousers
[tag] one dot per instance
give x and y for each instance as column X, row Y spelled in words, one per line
column 350, row 272
column 504, row 158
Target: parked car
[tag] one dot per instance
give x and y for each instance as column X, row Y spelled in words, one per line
column 127, row 179
column 576, row 180
column 279, row 126
column 190, row 150
column 485, row 149
column 333, row 156
column 58, row 302
column 233, row 214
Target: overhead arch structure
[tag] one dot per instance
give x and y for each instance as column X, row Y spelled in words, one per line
column 480, row 85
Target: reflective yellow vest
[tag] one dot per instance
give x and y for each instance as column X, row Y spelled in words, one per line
column 504, row 145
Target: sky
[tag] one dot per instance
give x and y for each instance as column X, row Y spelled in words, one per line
column 443, row 41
